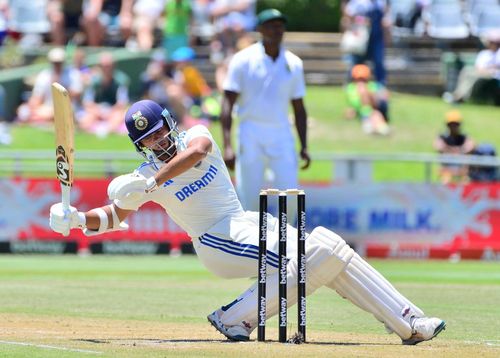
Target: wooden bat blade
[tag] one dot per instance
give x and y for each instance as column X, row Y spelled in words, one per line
column 64, row 133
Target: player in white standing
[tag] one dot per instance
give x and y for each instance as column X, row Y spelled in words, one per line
column 262, row 80
column 185, row 174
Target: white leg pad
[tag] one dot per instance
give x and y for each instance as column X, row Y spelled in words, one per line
column 327, row 255
column 361, row 284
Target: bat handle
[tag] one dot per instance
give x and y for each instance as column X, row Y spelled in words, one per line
column 65, row 200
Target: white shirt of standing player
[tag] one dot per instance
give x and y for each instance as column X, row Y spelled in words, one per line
column 265, row 86
column 265, row 136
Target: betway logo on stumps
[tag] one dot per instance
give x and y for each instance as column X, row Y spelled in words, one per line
column 302, row 311
column 193, row 187
column 283, row 306
column 263, row 269
column 262, row 312
column 302, row 269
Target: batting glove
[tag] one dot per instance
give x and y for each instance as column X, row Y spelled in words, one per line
column 128, row 191
column 62, row 221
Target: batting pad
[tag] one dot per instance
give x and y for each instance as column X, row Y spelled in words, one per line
column 361, row 284
column 327, row 255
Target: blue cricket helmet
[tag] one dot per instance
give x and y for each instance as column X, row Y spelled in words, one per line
column 145, row 117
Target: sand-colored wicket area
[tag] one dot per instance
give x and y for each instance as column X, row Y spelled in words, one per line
column 23, row 335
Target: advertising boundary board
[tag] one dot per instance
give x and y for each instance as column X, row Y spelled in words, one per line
column 381, row 220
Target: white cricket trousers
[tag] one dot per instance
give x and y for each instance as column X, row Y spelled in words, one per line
column 259, row 147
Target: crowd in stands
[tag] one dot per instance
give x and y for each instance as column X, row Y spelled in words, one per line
column 171, row 29
column 368, row 25
column 100, row 93
column 445, row 19
column 483, row 76
column 451, row 20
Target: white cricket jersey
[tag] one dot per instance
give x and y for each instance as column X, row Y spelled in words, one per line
column 265, row 87
column 201, row 196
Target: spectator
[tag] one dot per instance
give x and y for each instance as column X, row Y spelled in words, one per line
column 188, row 76
column 418, row 10
column 79, row 64
column 39, row 109
column 232, row 19
column 453, row 142
column 5, row 137
column 202, row 27
column 485, row 74
column 408, row 14
column 29, row 20
column 188, row 87
column 102, row 17
column 106, row 99
column 64, row 17
column 374, row 14
column 367, row 101
column 264, row 79
column 154, row 80
column 146, row 16
column 178, row 15
column 221, row 70
column 481, row 173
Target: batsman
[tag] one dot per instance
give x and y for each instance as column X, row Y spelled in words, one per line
column 184, row 172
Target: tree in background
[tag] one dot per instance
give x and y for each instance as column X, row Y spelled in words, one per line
column 300, row 14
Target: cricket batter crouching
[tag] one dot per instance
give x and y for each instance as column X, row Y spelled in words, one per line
column 185, row 174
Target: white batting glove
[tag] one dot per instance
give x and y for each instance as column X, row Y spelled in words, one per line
column 129, row 189
column 62, row 222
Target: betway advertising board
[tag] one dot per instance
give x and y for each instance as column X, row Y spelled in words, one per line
column 411, row 220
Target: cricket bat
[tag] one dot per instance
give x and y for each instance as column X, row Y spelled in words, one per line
column 64, row 133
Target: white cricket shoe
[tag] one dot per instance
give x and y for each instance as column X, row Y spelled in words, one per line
column 424, row 329
column 233, row 333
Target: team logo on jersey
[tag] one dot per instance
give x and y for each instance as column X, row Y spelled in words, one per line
column 140, row 122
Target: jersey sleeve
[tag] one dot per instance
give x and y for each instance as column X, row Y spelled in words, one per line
column 234, row 77
column 197, row 131
column 299, row 85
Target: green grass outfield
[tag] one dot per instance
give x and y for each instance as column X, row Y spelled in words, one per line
column 155, row 306
column 415, row 120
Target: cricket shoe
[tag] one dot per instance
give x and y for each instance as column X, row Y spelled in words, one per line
column 233, row 333
column 424, row 329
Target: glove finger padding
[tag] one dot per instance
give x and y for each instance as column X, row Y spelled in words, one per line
column 127, row 185
column 61, row 221
column 128, row 191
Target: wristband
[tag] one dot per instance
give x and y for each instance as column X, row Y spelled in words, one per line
column 82, row 220
column 103, row 219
